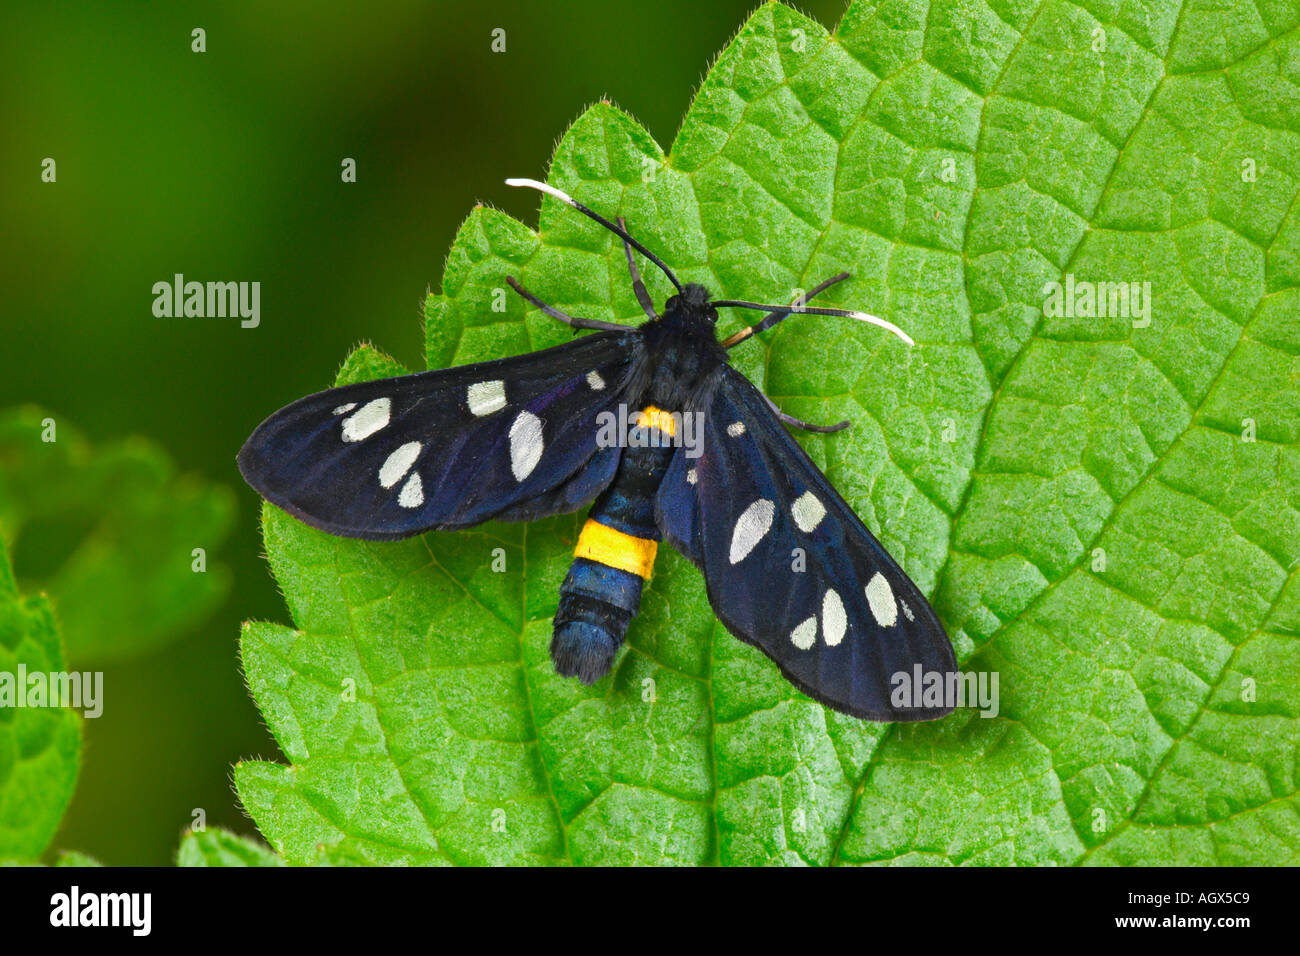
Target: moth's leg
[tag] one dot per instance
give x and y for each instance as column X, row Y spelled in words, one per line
column 638, row 287
column 799, row 423
column 772, row 318
column 554, row 313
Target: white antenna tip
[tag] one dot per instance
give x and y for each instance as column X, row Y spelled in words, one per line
column 542, row 188
column 887, row 326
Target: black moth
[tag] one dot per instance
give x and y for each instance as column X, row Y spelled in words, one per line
column 788, row 566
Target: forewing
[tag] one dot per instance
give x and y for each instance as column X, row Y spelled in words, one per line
column 791, row 569
column 512, row 438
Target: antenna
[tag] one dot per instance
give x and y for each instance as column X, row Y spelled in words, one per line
column 621, row 233
column 801, row 310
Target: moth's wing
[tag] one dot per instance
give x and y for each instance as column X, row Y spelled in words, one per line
column 512, row 438
column 745, row 511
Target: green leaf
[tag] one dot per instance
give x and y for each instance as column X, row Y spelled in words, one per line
column 1080, row 495
column 110, row 534
column 217, row 847
column 40, row 746
column 76, row 858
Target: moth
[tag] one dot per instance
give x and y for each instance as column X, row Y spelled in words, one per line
column 787, row 564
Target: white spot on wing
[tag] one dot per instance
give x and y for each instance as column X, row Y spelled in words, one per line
column 692, row 477
column 736, row 429
column 752, row 524
column 803, row 636
column 907, row 611
column 412, row 494
column 595, row 381
column 367, row 420
column 344, row 409
column 484, row 398
column 880, row 596
column 525, row 444
column 834, row 621
column 399, row 463
column 807, row 511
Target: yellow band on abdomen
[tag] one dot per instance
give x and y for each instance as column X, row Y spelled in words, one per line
column 614, row 549
column 651, row 417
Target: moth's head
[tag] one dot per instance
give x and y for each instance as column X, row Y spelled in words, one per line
column 691, row 307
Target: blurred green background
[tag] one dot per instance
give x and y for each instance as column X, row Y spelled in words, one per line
column 225, row 165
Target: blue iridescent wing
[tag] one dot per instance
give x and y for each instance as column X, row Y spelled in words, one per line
column 513, row 438
column 791, row 569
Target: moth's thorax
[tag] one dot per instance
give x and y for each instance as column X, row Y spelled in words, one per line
column 683, row 348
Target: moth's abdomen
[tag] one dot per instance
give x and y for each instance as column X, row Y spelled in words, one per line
column 597, row 603
column 614, row 558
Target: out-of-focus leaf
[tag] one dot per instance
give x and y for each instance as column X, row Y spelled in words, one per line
column 110, row 534
column 75, row 858
column 40, row 746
